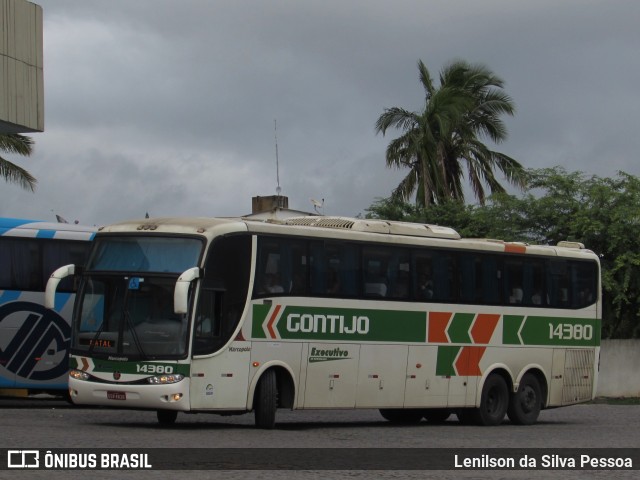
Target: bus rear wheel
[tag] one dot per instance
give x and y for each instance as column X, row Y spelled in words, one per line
column 525, row 404
column 265, row 402
column 494, row 401
column 167, row 417
column 402, row 416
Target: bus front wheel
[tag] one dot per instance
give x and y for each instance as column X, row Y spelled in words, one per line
column 265, row 401
column 525, row 404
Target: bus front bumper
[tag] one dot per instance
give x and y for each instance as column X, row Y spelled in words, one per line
column 173, row 396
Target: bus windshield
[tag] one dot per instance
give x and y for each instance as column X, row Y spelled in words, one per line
column 129, row 316
column 145, row 254
column 125, row 306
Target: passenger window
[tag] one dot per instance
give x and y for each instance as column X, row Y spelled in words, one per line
column 423, row 290
column 375, row 270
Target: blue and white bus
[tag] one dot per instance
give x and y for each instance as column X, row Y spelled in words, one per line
column 34, row 341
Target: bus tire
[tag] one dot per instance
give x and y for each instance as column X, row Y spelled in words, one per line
column 436, row 415
column 402, row 416
column 167, row 418
column 526, row 403
column 266, row 400
column 493, row 402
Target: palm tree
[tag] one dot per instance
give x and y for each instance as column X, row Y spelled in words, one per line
column 438, row 142
column 16, row 143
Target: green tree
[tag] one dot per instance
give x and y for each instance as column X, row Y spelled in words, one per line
column 12, row 173
column 601, row 213
column 447, row 135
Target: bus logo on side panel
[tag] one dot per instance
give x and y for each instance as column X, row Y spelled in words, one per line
column 39, row 329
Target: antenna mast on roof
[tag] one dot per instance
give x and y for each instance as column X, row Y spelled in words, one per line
column 275, row 134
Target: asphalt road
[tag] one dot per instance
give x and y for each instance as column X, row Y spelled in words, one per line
column 53, row 424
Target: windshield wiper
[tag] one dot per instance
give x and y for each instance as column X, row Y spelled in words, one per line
column 134, row 335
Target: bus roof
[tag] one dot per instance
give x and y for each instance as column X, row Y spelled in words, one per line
column 18, row 227
column 200, row 225
column 336, row 228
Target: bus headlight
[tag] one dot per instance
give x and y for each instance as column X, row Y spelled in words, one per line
column 79, row 375
column 165, row 379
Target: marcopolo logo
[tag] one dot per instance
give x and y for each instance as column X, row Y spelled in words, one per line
column 325, row 355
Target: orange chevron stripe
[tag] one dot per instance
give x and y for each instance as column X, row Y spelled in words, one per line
column 468, row 362
column 483, row 327
column 438, row 322
column 272, row 321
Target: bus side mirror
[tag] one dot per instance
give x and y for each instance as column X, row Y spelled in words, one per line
column 181, row 292
column 52, row 284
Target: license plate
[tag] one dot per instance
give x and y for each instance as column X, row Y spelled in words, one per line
column 116, row 395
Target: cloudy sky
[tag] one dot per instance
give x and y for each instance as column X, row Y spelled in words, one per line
column 168, row 107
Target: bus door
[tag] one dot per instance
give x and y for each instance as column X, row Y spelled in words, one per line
column 219, row 374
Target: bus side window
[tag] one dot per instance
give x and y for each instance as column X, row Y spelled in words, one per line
column 317, row 264
column 514, row 281
column 299, row 268
column 206, row 331
column 5, row 265
column 583, row 287
column 558, row 283
column 25, row 264
column 226, row 276
column 470, row 278
column 534, row 283
column 423, row 280
column 400, row 275
column 63, row 252
column 443, row 275
column 491, row 278
column 375, row 269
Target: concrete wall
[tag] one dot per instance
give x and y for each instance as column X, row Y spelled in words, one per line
column 21, row 67
column 619, row 369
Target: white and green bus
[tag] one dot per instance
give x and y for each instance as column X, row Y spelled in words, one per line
column 236, row 315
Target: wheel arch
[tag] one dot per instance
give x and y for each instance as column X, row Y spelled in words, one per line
column 497, row 369
column 285, row 381
column 538, row 372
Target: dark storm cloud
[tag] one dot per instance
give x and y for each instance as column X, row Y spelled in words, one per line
column 169, row 107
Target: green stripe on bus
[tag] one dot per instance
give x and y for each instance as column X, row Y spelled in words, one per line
column 259, row 315
column 555, row 331
column 459, row 329
column 578, row 332
column 343, row 324
column 138, row 368
column 444, row 364
column 510, row 327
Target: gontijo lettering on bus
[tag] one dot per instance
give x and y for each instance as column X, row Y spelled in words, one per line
column 318, row 323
